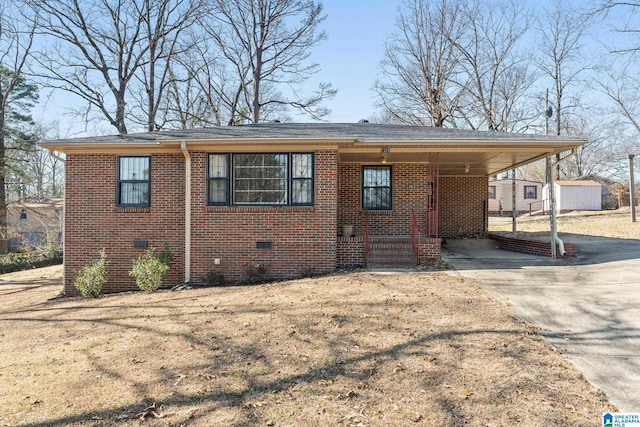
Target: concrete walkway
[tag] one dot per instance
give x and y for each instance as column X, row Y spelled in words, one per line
column 588, row 306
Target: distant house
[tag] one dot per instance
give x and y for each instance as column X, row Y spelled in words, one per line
column 286, row 199
column 529, row 196
column 576, row 195
column 35, row 222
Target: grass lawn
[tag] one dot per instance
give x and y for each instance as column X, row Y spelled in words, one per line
column 614, row 223
column 358, row 349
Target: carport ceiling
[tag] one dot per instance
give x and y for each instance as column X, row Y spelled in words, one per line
column 484, row 160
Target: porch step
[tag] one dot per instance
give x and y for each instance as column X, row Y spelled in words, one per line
column 391, row 252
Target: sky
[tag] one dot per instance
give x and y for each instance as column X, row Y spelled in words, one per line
column 349, row 59
column 356, row 34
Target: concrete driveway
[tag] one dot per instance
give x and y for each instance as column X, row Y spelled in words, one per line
column 588, row 306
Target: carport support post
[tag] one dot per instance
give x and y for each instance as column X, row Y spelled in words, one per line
column 552, row 207
column 513, row 201
column 632, row 196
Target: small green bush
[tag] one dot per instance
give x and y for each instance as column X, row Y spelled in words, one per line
column 29, row 258
column 92, row 277
column 149, row 270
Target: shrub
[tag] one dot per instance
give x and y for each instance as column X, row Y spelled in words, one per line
column 29, row 258
column 255, row 274
column 149, row 270
column 213, row 278
column 92, row 277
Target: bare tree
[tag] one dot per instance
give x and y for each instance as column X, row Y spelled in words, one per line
column 627, row 35
column 622, row 87
column 164, row 25
column 265, row 45
column 421, row 62
column 496, row 78
column 17, row 95
column 103, row 45
column 562, row 29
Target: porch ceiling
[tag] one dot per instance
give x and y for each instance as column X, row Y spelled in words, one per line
column 481, row 162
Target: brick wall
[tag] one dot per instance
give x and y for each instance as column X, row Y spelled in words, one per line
column 461, row 202
column 350, row 252
column 535, row 247
column 302, row 238
column 410, row 191
column 93, row 222
column 462, row 206
column 430, row 248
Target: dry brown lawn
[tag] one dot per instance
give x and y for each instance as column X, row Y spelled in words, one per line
column 615, row 224
column 358, row 349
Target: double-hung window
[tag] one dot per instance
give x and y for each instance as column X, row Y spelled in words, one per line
column 530, row 192
column 376, row 187
column 278, row 179
column 134, row 181
column 492, row 191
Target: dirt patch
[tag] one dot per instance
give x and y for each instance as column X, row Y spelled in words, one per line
column 359, row 349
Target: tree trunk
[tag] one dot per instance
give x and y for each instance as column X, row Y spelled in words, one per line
column 4, row 237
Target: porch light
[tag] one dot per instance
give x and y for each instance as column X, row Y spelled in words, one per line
column 384, row 159
column 466, row 168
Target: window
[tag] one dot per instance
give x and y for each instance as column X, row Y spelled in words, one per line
column 492, row 191
column 134, row 181
column 23, row 214
column 218, row 179
column 530, row 192
column 260, row 179
column 301, row 179
column 376, row 187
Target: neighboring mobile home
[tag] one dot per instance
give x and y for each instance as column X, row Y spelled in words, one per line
column 286, row 199
column 528, row 196
column 576, row 195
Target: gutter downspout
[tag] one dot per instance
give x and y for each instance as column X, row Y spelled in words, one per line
column 187, row 211
column 552, row 206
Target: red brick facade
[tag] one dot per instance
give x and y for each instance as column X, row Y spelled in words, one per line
column 303, row 239
column 410, row 190
column 462, row 206
column 93, row 222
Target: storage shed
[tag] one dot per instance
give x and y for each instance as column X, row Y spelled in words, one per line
column 575, row 195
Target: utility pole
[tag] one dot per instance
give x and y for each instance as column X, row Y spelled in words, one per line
column 632, row 196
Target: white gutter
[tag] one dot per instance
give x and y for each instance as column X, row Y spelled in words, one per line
column 552, row 206
column 187, row 211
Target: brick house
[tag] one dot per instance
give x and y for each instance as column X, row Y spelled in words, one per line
column 292, row 198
